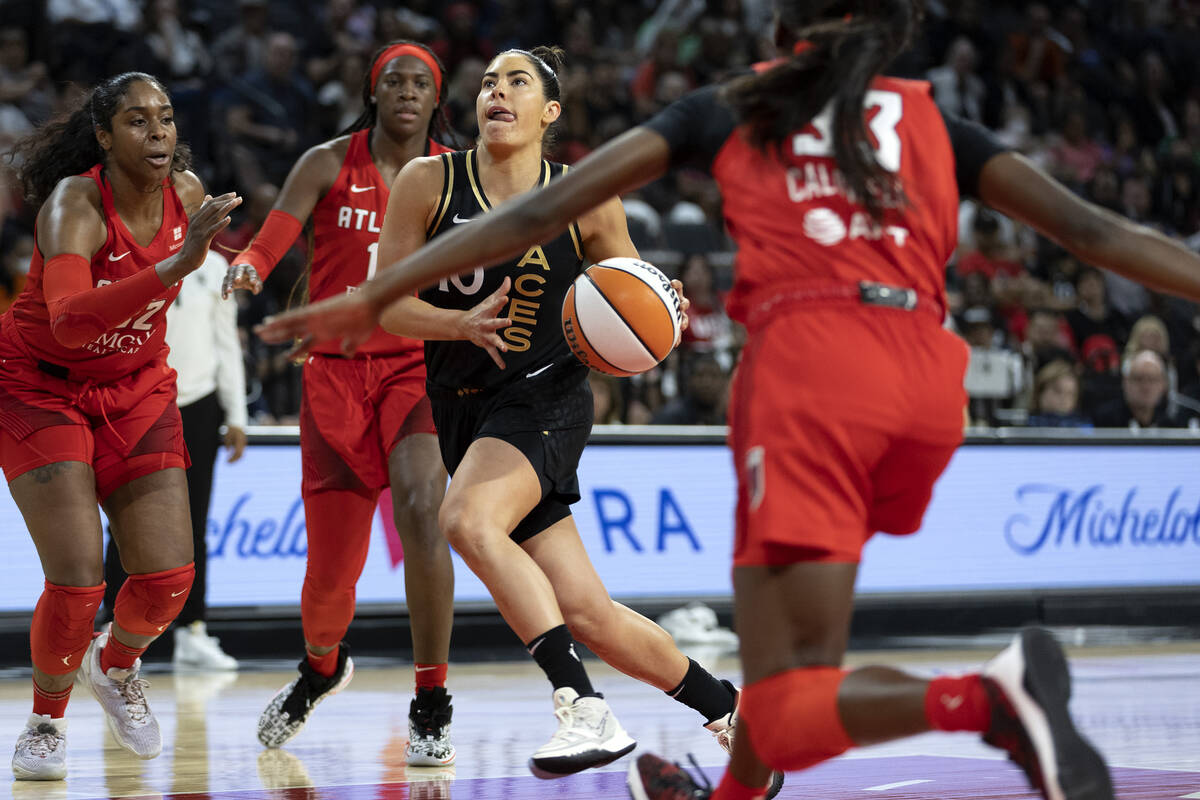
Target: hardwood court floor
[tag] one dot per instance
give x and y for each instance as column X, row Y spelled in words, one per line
column 1141, row 705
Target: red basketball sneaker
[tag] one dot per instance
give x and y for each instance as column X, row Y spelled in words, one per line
column 652, row 778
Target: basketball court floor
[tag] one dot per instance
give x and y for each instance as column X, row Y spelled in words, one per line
column 1139, row 702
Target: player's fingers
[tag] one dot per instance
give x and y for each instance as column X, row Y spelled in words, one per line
column 299, row 351
column 495, row 356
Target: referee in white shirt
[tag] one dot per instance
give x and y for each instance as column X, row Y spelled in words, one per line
column 206, row 352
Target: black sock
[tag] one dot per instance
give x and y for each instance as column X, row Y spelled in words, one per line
column 554, row 652
column 701, row 691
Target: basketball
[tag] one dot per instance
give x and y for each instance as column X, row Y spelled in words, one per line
column 621, row 316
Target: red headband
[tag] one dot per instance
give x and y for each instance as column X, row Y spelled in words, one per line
column 397, row 50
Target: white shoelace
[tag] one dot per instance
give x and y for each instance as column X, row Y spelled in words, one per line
column 133, row 692
column 41, row 743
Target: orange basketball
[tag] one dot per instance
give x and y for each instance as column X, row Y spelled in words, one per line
column 621, row 316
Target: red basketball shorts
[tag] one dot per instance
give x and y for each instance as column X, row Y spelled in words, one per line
column 125, row 428
column 841, row 421
column 353, row 412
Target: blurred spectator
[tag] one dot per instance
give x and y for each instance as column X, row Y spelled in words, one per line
column 1046, row 339
column 702, row 401
column 990, row 254
column 180, row 52
column 242, row 49
column 92, row 37
column 1144, row 396
column 462, row 39
column 956, row 88
column 341, row 98
column 271, row 122
column 1075, row 158
column 1038, row 52
column 709, row 328
column 1056, row 398
column 995, row 374
column 1151, row 110
column 1094, row 318
column 24, row 84
column 346, row 29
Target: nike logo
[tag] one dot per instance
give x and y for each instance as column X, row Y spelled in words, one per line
column 176, row 594
column 533, row 647
column 952, row 703
column 66, row 661
column 113, row 257
column 459, row 220
column 89, row 605
column 537, row 372
column 424, row 669
column 162, row 628
column 357, row 189
column 574, row 655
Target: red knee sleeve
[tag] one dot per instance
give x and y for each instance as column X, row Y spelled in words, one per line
column 793, row 718
column 149, row 602
column 62, row 626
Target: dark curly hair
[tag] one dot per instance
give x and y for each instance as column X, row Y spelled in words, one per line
column 67, row 145
column 840, row 47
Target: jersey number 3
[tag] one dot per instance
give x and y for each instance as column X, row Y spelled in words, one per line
column 881, row 123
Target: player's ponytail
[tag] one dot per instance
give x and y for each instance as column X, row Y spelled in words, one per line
column 67, row 145
column 839, row 48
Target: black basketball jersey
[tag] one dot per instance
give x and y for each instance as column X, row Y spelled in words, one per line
column 540, row 280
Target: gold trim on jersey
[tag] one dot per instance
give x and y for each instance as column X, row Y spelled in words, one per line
column 476, row 187
column 573, row 228
column 447, row 191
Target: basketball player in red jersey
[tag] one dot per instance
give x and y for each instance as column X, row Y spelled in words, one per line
column 844, row 221
column 365, row 422
column 87, row 401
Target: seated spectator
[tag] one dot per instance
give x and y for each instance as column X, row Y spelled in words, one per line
column 1047, row 338
column 1056, row 398
column 702, row 401
column 606, row 398
column 269, row 123
column 1076, row 157
column 1100, row 383
column 1094, row 316
column 1144, row 396
column 990, row 255
column 242, row 49
column 956, row 87
column 995, row 374
column 180, row 52
column 25, row 85
column 709, row 328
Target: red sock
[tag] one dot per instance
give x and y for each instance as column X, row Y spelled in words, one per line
column 730, row 788
column 430, row 676
column 50, row 704
column 118, row 654
column 324, row 665
column 958, row 704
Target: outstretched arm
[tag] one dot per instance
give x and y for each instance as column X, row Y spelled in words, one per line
column 1013, row 185
column 629, row 161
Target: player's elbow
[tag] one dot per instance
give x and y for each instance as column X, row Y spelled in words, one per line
column 71, row 331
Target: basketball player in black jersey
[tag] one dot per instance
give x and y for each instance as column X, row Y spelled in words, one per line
column 513, row 412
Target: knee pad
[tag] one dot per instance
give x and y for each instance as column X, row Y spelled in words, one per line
column 62, row 626
column 792, row 717
column 149, row 602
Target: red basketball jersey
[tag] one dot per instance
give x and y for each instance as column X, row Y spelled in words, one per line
column 797, row 228
column 346, row 226
column 136, row 341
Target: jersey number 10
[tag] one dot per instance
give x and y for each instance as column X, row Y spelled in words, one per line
column 882, row 125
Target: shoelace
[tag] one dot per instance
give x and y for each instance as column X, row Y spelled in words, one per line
column 43, row 740
column 577, row 715
column 311, row 684
column 683, row 781
column 133, row 692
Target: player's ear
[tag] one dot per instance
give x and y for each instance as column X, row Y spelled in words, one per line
column 104, row 138
column 552, row 112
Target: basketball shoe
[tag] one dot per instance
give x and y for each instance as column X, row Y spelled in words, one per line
column 1029, row 686
column 196, row 650
column 288, row 710
column 651, row 778
column 429, row 729
column 41, row 752
column 122, row 695
column 588, row 736
column 723, row 729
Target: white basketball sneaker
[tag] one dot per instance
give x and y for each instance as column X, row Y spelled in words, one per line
column 429, row 716
column 195, row 649
column 41, row 752
column 290, row 708
column 724, row 728
column 588, row 736
column 122, row 695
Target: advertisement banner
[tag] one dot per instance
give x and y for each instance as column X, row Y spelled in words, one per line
column 657, row 521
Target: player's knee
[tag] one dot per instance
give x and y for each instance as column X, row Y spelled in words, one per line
column 62, row 626
column 589, row 621
column 470, row 533
column 802, row 702
column 149, row 602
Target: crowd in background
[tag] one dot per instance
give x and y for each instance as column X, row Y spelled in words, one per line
column 1103, row 94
